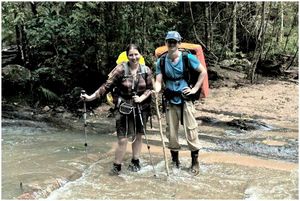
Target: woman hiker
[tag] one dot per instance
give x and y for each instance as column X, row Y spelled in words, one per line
column 134, row 84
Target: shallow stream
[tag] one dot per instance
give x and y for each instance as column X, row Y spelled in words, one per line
column 52, row 163
column 35, row 153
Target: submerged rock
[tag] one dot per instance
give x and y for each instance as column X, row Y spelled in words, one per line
column 242, row 124
column 249, row 124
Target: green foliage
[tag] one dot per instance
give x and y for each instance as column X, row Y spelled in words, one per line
column 48, row 95
column 13, row 15
column 75, row 44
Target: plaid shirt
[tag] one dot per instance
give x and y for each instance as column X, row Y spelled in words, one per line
column 127, row 85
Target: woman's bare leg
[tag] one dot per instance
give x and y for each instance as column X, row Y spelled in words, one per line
column 120, row 150
column 137, row 146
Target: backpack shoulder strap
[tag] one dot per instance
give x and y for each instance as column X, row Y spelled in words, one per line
column 162, row 65
column 144, row 72
column 185, row 58
column 186, row 66
column 144, row 69
column 126, row 69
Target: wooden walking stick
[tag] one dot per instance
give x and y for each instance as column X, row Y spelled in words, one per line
column 161, row 134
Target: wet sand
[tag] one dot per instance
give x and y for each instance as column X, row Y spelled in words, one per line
column 275, row 103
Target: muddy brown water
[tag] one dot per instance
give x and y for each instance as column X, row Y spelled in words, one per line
column 40, row 156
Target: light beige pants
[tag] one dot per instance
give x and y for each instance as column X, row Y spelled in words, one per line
column 173, row 116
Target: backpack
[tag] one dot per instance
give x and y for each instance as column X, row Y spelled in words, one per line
column 189, row 74
column 123, row 58
column 112, row 97
column 115, row 91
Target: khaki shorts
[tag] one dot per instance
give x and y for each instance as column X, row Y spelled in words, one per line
column 173, row 116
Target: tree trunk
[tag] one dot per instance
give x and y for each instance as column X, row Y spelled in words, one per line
column 133, row 40
column 18, row 40
column 293, row 59
column 144, row 28
column 292, row 27
column 207, row 32
column 281, row 21
column 25, row 46
column 108, row 34
column 196, row 35
column 211, row 34
column 273, row 34
column 259, row 45
column 234, row 28
column 194, row 27
column 21, row 40
column 33, row 8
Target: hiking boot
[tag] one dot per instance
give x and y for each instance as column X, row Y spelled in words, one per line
column 115, row 169
column 195, row 163
column 175, row 160
column 135, row 165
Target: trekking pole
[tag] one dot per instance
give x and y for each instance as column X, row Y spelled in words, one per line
column 134, row 122
column 144, row 130
column 84, row 117
column 161, row 135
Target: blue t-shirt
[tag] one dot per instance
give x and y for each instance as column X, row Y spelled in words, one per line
column 176, row 71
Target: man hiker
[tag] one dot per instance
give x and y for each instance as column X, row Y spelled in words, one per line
column 179, row 104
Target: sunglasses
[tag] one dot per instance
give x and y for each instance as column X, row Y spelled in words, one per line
column 172, row 41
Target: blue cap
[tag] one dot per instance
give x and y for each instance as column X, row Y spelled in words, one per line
column 173, row 35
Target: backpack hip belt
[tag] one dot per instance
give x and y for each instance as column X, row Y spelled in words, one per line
column 169, row 94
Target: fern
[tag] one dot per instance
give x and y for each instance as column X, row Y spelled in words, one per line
column 48, row 94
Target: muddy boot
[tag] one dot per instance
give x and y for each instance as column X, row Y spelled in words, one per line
column 175, row 159
column 135, row 165
column 195, row 163
column 115, row 169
